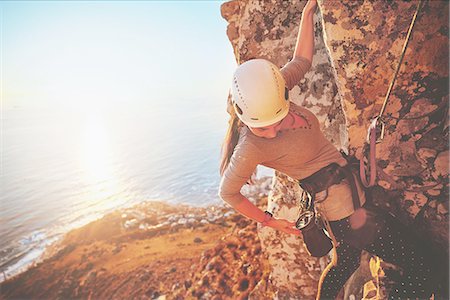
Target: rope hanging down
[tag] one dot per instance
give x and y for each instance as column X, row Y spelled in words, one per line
column 377, row 122
column 371, row 137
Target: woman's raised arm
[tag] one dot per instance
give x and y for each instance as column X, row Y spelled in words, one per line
column 305, row 38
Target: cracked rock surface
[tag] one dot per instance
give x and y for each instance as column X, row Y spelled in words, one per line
column 357, row 48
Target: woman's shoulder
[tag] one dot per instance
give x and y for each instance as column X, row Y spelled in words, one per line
column 294, row 107
column 247, row 138
column 303, row 112
column 248, row 148
column 252, row 143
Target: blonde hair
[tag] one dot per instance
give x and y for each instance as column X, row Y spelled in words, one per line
column 230, row 141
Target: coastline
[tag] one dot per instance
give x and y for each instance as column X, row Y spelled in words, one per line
column 152, row 250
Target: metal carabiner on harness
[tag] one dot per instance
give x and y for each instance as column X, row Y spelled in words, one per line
column 307, row 201
column 305, row 219
column 308, row 215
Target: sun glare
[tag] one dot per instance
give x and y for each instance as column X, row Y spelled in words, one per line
column 97, row 161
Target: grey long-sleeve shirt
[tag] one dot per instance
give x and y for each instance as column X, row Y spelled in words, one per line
column 297, row 152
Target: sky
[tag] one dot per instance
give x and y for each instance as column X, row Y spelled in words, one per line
column 102, row 54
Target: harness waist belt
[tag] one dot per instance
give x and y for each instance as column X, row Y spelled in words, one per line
column 328, row 176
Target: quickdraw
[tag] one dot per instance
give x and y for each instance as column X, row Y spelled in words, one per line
column 377, row 125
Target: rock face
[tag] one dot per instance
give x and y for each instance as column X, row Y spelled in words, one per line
column 357, row 48
column 268, row 30
column 365, row 40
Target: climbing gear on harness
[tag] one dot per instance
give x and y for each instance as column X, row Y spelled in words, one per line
column 327, row 176
column 305, row 219
column 309, row 222
column 317, row 242
column 307, row 214
column 259, row 94
column 377, row 125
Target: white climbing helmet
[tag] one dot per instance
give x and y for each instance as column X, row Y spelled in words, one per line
column 259, row 94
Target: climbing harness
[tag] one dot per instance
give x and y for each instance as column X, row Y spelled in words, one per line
column 377, row 125
column 310, row 222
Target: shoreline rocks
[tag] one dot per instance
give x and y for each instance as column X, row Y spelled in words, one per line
column 152, row 250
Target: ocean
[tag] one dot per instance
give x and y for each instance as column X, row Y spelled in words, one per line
column 61, row 169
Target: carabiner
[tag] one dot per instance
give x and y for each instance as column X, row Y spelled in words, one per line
column 376, row 127
column 304, row 219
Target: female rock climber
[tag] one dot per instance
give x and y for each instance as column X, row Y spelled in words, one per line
column 266, row 129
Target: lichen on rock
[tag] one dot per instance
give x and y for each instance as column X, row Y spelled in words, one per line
column 357, row 49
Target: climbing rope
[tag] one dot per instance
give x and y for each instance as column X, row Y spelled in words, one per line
column 334, row 258
column 377, row 123
column 372, row 140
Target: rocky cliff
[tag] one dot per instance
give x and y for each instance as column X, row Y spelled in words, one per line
column 357, row 48
column 152, row 250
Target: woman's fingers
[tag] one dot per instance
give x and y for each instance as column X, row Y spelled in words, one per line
column 296, row 231
column 291, row 230
column 291, row 224
column 286, row 226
